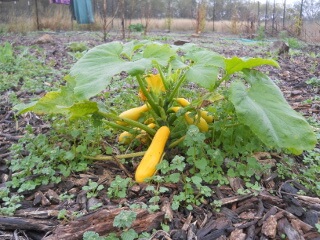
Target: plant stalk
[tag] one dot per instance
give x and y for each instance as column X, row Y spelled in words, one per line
column 120, row 156
column 150, row 100
column 132, row 123
column 176, row 142
column 162, row 76
column 176, row 89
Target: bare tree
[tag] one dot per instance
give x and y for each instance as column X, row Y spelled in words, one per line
column 105, row 25
column 169, row 15
column 147, row 15
column 284, row 14
column 299, row 23
column 122, row 7
column 201, row 16
column 311, row 9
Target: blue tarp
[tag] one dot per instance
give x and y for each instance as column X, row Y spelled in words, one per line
column 82, row 11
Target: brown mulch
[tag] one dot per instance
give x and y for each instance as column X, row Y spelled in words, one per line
column 277, row 212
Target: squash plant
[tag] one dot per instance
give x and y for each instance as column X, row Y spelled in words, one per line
column 161, row 71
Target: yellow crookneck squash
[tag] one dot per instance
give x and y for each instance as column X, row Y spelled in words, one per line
column 133, row 113
column 152, row 157
column 204, row 114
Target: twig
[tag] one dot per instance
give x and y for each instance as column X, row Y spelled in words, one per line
column 10, row 137
column 116, row 159
column 120, row 156
column 123, row 168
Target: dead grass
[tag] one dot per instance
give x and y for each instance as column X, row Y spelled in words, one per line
column 58, row 17
column 311, row 31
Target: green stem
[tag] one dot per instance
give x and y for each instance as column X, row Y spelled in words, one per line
column 115, row 125
column 132, row 123
column 232, row 125
column 150, row 100
column 225, row 78
column 176, row 142
column 162, row 76
column 120, row 156
column 176, row 89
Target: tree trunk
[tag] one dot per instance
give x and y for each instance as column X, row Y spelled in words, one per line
column 213, row 15
column 284, row 15
column 266, row 16
column 37, row 15
column 300, row 22
column 105, row 20
column 273, row 16
column 147, row 16
column 123, row 30
column 258, row 14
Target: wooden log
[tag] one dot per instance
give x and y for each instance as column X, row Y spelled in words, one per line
column 101, row 222
column 285, row 227
column 13, row 223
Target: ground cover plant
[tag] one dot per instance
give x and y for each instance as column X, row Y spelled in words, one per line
column 220, row 114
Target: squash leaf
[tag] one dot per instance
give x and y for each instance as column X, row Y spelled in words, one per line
column 94, row 71
column 204, row 67
column 236, row 64
column 263, row 108
column 82, row 109
column 53, row 102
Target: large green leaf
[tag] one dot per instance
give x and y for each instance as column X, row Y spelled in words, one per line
column 205, row 76
column 263, row 108
column 95, row 69
column 53, row 102
column 236, row 64
column 204, row 67
column 84, row 108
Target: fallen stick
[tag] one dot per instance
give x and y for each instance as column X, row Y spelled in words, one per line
column 101, row 222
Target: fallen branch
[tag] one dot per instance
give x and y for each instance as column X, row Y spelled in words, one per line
column 12, row 223
column 101, row 222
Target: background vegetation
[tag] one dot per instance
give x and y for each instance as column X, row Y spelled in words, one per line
column 232, row 16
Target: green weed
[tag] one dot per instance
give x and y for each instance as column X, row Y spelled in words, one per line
column 138, row 27
column 43, row 159
column 78, row 47
column 261, row 35
column 92, row 189
column 118, row 187
column 314, row 82
column 21, row 70
column 9, row 202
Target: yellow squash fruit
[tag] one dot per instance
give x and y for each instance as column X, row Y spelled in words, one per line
column 204, row 114
column 143, row 137
column 133, row 113
column 152, row 157
column 125, row 138
column 183, row 102
column 155, row 83
column 201, row 123
column 174, row 109
column 149, row 121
